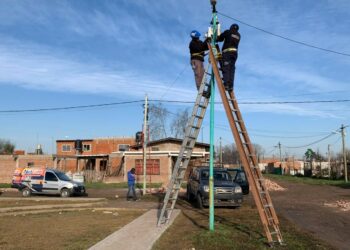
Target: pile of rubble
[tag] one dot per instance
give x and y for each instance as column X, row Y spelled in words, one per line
column 273, row 186
column 344, row 205
column 341, row 204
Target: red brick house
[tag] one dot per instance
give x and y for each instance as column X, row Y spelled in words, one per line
column 110, row 159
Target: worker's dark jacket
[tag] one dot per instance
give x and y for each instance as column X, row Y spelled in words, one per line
column 197, row 48
column 231, row 39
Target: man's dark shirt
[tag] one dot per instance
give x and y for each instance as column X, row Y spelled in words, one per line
column 231, row 39
column 198, row 47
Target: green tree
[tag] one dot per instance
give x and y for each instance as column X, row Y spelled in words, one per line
column 6, row 147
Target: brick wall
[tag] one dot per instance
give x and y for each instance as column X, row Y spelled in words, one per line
column 7, row 166
column 8, row 163
column 97, row 146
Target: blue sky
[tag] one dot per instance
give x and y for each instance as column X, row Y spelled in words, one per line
column 67, row 53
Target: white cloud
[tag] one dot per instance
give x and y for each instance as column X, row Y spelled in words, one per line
column 40, row 68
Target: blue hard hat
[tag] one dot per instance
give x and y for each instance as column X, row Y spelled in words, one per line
column 195, row 34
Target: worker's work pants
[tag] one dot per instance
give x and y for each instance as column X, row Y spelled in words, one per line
column 198, row 69
column 228, row 69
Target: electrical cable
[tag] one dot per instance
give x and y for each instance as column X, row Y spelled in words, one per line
column 274, row 102
column 69, row 107
column 177, row 78
column 165, row 101
column 312, row 143
column 284, row 37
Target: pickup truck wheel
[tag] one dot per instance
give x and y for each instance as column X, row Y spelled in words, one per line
column 65, row 193
column 26, row 192
column 199, row 201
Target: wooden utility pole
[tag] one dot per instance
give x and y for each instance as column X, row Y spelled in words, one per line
column 145, row 120
column 220, row 153
column 279, row 146
column 329, row 161
column 344, row 152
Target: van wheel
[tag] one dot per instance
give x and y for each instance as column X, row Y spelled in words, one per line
column 26, row 192
column 199, row 201
column 65, row 193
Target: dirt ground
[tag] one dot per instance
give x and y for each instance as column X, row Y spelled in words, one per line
column 304, row 205
column 301, row 204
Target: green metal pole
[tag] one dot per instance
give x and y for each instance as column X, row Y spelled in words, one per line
column 212, row 112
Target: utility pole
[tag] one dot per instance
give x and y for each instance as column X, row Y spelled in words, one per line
column 329, row 161
column 214, row 30
column 220, row 153
column 279, row 147
column 344, row 153
column 145, row 138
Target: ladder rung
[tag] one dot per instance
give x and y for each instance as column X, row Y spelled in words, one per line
column 202, row 106
column 274, row 232
column 268, row 205
column 238, row 120
column 243, row 132
column 198, row 116
column 192, row 137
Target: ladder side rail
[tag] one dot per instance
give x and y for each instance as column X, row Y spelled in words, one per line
column 253, row 157
column 187, row 146
column 239, row 145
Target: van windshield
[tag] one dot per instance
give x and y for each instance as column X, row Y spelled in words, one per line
column 62, row 176
column 218, row 175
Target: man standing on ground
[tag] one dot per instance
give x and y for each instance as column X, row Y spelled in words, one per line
column 197, row 49
column 231, row 40
column 131, row 185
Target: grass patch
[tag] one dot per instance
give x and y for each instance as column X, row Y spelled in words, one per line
column 68, row 230
column 101, row 185
column 23, row 202
column 234, row 229
column 309, row 180
column 5, row 185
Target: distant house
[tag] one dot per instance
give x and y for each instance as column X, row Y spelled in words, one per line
column 109, row 159
column 288, row 166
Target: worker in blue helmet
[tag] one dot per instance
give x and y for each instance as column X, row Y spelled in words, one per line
column 197, row 49
column 231, row 39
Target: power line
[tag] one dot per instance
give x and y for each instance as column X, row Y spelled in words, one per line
column 177, row 78
column 158, row 100
column 274, row 102
column 284, row 37
column 312, row 143
column 70, row 107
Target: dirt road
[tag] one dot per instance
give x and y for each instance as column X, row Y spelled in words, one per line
column 304, row 205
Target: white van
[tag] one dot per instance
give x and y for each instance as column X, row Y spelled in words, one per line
column 48, row 181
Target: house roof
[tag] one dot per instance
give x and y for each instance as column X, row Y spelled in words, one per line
column 175, row 140
column 70, row 140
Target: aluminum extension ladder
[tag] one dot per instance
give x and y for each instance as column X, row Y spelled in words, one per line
column 191, row 134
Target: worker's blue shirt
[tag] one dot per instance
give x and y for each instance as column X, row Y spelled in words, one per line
column 131, row 179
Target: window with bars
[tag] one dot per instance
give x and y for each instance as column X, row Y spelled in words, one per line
column 152, row 166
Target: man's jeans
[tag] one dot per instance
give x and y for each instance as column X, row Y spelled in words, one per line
column 131, row 189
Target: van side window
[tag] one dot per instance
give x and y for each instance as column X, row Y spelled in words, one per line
column 50, row 177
